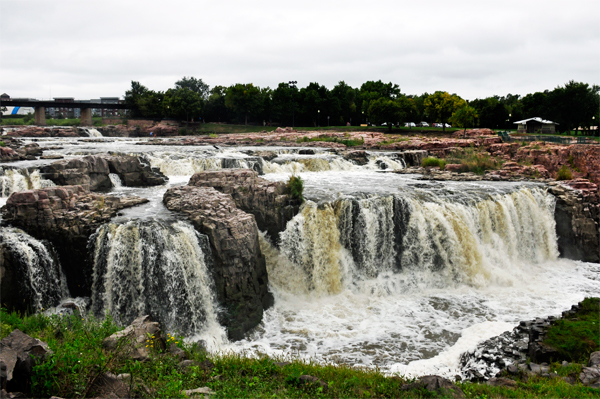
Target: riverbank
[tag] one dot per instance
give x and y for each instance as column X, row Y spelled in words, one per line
column 84, row 363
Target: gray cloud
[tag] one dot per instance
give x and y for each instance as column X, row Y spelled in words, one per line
column 472, row 48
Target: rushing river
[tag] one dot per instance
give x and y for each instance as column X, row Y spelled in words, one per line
column 378, row 269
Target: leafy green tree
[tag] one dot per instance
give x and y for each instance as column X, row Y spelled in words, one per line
column 573, row 105
column 282, row 98
column 371, row 91
column 441, row 105
column 243, row 99
column 183, row 103
column 193, row 84
column 465, row 117
column 344, row 104
column 385, row 110
column 215, row 109
column 133, row 98
column 492, row 112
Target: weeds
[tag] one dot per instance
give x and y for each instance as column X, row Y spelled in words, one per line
column 433, row 162
column 473, row 161
column 333, row 139
column 295, row 187
column 564, row 173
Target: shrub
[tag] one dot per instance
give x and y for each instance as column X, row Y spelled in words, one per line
column 2, row 144
column 295, row 187
column 473, row 161
column 564, row 173
column 434, row 162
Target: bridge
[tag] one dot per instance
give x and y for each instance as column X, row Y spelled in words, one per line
column 40, row 108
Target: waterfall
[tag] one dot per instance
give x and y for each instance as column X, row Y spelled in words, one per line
column 13, row 180
column 35, row 270
column 154, row 267
column 294, row 163
column 331, row 246
column 91, row 132
column 115, row 180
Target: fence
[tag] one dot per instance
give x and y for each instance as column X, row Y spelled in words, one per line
column 552, row 139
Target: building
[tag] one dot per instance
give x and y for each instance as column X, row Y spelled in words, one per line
column 108, row 113
column 536, row 125
column 59, row 112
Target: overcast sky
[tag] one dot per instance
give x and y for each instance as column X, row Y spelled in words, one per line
column 95, row 48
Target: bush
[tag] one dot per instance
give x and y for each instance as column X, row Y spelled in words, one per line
column 564, row 173
column 2, row 144
column 295, row 187
column 473, row 161
column 433, row 162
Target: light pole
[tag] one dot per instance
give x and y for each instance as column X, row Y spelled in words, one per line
column 327, row 120
column 318, row 118
column 292, row 84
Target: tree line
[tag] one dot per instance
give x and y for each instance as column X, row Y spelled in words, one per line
column 573, row 105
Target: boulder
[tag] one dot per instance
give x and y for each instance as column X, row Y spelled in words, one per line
column 19, row 353
column 268, row 201
column 239, row 268
column 502, row 382
column 137, row 340
column 577, row 214
column 93, row 171
column 590, row 376
column 66, row 216
column 594, row 359
column 437, row 384
column 108, row 385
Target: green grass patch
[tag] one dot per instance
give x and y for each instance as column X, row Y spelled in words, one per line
column 2, row 144
column 564, row 173
column 332, row 139
column 433, row 162
column 79, row 358
column 473, row 160
column 295, row 187
column 577, row 336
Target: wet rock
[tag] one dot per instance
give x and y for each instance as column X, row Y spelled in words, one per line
column 177, row 351
column 135, row 340
column 93, row 171
column 434, row 383
column 590, row 376
column 268, row 201
column 239, row 268
column 577, row 214
column 19, row 353
column 66, row 216
column 594, row 359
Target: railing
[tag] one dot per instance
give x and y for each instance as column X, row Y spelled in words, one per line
column 552, row 139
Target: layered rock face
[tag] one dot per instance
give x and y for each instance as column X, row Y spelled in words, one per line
column 66, row 216
column 577, row 216
column 93, row 171
column 267, row 201
column 239, row 268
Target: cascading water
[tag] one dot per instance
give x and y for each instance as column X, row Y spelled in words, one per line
column 35, row 269
column 13, row 180
column 159, row 268
column 396, row 280
column 468, row 243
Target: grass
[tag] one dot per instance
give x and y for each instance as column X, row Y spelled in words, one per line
column 473, row 160
column 433, row 162
column 2, row 144
column 78, row 359
column 576, row 337
column 564, row 173
column 333, row 139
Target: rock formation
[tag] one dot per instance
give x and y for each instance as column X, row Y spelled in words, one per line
column 577, row 215
column 93, row 171
column 66, row 216
column 239, row 268
column 268, row 201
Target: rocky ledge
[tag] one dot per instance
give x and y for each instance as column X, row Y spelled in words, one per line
column 93, row 171
column 239, row 268
column 268, row 201
column 66, row 216
column 522, row 352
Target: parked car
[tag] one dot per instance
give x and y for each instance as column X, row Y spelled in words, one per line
column 447, row 125
column 410, row 124
column 423, row 124
column 384, row 124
